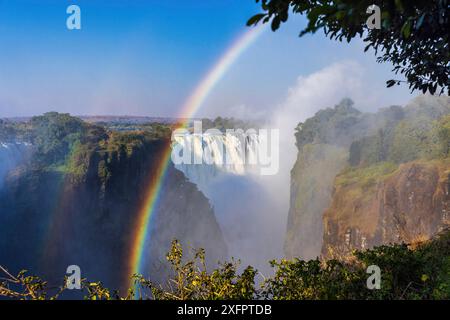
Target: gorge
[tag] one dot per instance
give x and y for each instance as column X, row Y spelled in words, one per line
column 70, row 191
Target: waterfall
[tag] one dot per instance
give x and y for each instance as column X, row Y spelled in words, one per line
column 227, row 171
column 218, row 156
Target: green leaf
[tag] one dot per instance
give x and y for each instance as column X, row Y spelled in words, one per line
column 255, row 19
column 390, row 83
column 275, row 23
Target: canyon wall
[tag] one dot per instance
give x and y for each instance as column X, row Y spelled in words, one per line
column 367, row 179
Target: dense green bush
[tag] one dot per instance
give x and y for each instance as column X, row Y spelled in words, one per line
column 192, row 281
column 55, row 134
column 411, row 140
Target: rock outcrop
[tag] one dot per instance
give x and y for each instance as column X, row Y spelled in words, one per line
column 410, row 204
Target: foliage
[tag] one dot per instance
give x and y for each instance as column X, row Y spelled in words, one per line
column 24, row 287
column 192, row 281
column 7, row 130
column 415, row 271
column 312, row 280
column 418, row 271
column 422, row 272
column 156, row 129
column 413, row 37
column 329, row 126
column 410, row 139
column 223, row 124
column 369, row 150
column 69, row 145
column 55, row 134
column 13, row 132
column 365, row 176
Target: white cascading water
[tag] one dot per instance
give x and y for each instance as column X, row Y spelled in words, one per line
column 230, row 154
column 230, row 178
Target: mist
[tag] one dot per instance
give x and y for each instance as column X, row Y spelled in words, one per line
column 252, row 210
column 11, row 155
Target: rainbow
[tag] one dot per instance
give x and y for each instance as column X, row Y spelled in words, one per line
column 191, row 106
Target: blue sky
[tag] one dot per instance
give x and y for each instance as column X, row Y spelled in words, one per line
column 144, row 57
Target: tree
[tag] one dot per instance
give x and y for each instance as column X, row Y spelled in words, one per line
column 414, row 34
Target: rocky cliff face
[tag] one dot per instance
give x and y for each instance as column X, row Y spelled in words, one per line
column 311, row 191
column 410, row 204
column 81, row 210
column 323, row 142
column 366, row 179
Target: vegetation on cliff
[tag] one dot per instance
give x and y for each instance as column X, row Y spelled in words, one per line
column 395, row 187
column 388, row 183
column 67, row 144
column 223, row 124
column 77, row 197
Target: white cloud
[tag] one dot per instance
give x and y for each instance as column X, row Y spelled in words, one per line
column 318, row 90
